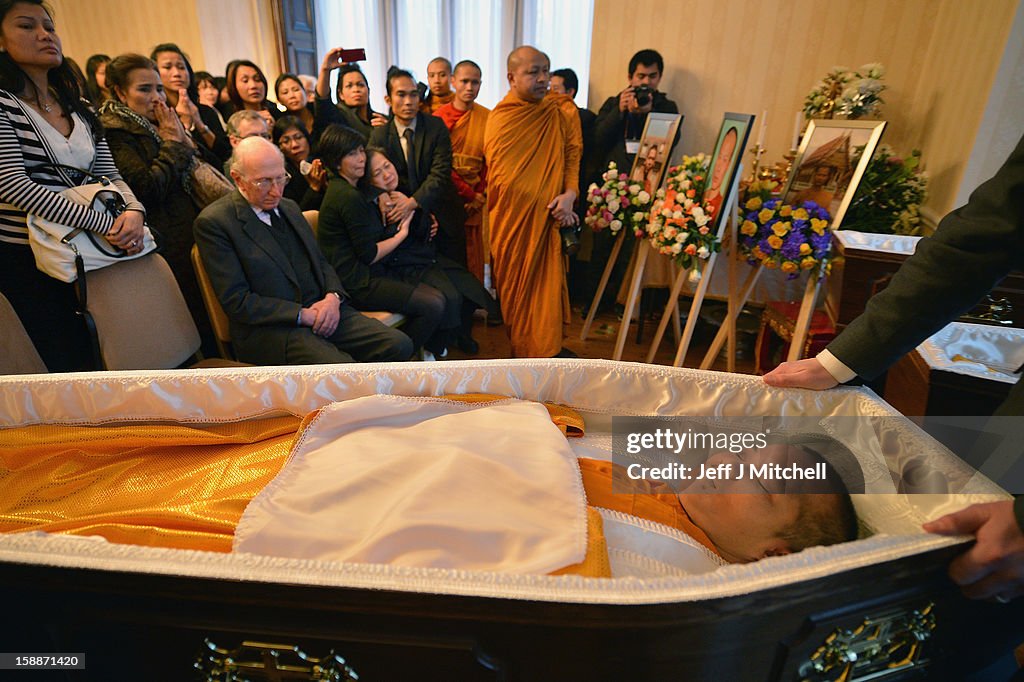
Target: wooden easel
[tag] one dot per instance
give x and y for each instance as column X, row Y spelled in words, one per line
column 616, row 248
column 706, row 270
column 728, row 329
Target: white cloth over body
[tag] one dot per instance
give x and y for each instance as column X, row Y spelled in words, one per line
column 425, row 482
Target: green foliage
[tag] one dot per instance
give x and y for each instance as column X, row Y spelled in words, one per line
column 889, row 197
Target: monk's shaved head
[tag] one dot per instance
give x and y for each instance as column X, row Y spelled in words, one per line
column 528, row 73
column 441, row 60
column 524, row 53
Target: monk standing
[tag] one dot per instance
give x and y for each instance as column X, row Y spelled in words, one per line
column 466, row 121
column 439, row 84
column 532, row 148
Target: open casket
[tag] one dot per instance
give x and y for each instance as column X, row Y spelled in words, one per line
column 878, row 608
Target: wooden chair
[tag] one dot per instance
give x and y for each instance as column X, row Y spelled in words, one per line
column 18, row 355
column 140, row 317
column 218, row 318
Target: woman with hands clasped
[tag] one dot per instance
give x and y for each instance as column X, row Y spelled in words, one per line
column 181, row 87
column 44, row 120
column 155, row 154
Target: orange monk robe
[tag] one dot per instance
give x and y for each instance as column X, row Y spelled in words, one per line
column 608, row 486
column 532, row 152
column 469, row 173
column 435, row 102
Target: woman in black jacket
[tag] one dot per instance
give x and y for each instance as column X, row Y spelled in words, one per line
column 353, row 108
column 382, row 267
column 155, row 155
column 309, row 179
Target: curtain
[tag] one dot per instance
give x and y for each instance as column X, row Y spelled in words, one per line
column 410, row 33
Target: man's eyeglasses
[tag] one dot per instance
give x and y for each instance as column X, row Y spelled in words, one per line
column 265, row 136
column 264, row 184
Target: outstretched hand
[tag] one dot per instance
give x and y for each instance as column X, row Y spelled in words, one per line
column 994, row 567
column 808, row 373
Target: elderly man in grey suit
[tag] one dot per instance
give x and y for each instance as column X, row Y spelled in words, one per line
column 285, row 303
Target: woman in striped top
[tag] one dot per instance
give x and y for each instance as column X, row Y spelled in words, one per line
column 44, row 120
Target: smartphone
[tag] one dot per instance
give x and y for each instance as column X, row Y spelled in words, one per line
column 357, row 55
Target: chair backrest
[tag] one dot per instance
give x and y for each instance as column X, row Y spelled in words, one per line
column 141, row 317
column 18, row 355
column 312, row 217
column 218, row 318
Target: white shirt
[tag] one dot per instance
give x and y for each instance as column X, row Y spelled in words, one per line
column 401, row 135
column 839, row 371
column 77, row 149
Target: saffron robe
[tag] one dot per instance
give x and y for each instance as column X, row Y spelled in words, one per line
column 532, row 152
column 435, row 102
column 469, row 173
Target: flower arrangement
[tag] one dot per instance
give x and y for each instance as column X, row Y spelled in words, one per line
column 617, row 203
column 850, row 94
column 778, row 235
column 890, row 193
column 680, row 225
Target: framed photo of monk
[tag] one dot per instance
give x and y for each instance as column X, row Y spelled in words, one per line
column 655, row 148
column 826, row 169
column 725, row 162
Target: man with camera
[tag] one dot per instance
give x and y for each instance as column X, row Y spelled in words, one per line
column 616, row 137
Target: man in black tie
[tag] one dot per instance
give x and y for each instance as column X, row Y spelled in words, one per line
column 285, row 303
column 421, row 150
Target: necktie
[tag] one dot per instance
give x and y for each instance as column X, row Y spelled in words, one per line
column 276, row 221
column 410, row 159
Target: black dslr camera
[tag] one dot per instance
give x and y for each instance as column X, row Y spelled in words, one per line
column 643, row 94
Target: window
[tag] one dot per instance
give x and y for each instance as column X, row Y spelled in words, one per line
column 409, row 33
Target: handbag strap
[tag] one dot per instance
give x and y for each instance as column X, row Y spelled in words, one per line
column 81, row 289
column 82, row 174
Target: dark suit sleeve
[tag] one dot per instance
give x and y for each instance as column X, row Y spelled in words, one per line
column 324, row 114
column 973, row 248
column 438, row 182
column 213, row 232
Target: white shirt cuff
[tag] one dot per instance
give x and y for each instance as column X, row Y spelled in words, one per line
column 833, row 366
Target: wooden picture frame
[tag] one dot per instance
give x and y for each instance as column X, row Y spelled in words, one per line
column 826, row 170
column 729, row 147
column 651, row 158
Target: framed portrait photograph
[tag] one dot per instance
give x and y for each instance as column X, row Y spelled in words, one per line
column 655, row 146
column 824, row 170
column 729, row 146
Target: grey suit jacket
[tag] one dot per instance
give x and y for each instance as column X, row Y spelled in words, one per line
column 254, row 281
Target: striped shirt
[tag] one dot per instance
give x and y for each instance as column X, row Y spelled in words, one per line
column 24, row 188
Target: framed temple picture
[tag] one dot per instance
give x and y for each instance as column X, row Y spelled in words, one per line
column 826, row 169
column 655, row 147
column 729, row 146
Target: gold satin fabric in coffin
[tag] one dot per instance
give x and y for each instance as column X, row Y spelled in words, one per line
column 532, row 152
column 173, row 485
column 179, row 486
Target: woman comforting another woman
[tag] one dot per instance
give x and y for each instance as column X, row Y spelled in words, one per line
column 387, row 267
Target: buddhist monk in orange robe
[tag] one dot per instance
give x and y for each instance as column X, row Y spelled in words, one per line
column 466, row 121
column 439, row 83
column 532, row 148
